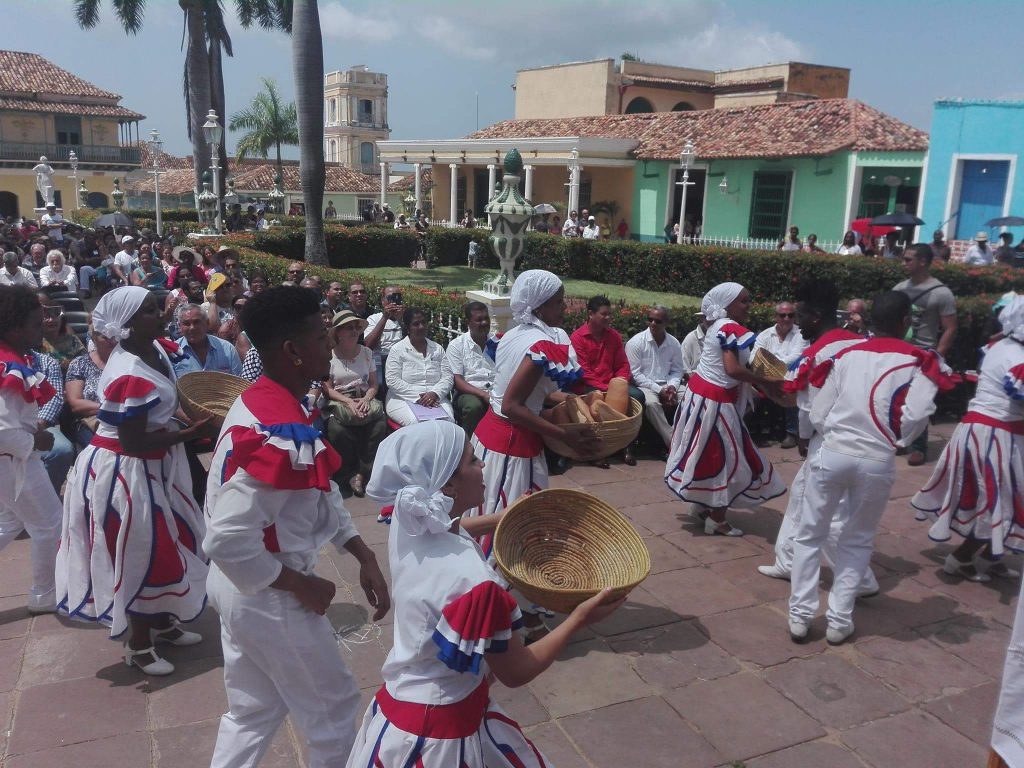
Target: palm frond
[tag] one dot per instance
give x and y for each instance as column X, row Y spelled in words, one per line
column 130, row 13
column 87, row 13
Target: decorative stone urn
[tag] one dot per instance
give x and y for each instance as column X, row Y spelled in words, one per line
column 510, row 215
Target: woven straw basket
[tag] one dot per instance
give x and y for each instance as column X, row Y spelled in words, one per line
column 768, row 365
column 209, row 393
column 615, row 435
column 560, row 547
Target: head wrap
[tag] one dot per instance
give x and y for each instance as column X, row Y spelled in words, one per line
column 717, row 300
column 1012, row 319
column 531, row 289
column 411, row 467
column 115, row 309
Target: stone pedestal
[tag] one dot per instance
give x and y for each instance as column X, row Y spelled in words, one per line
column 497, row 306
column 40, row 211
column 201, row 236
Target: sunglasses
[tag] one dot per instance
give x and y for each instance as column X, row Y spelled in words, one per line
column 786, row 314
column 655, row 320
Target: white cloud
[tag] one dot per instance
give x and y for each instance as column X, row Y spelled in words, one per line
column 725, row 47
column 339, row 23
column 456, row 37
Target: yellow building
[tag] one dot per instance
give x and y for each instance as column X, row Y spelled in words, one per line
column 46, row 111
column 355, row 117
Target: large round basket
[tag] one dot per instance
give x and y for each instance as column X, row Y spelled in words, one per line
column 615, row 435
column 560, row 547
column 209, row 394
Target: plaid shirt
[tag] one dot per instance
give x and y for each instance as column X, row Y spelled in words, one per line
column 50, row 368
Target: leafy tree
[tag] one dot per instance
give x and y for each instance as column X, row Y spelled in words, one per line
column 269, row 122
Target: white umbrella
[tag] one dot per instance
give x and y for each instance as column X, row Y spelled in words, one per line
column 543, row 208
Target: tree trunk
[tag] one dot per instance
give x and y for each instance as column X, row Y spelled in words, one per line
column 218, row 106
column 280, row 167
column 308, row 70
column 197, row 69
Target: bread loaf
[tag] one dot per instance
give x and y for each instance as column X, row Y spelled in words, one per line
column 604, row 412
column 618, row 395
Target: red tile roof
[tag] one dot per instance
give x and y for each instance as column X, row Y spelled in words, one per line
column 166, row 160
column 409, row 182
column 257, row 176
column 692, row 85
column 799, row 129
column 68, row 108
column 30, row 73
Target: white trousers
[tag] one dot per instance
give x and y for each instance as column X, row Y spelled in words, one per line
column 865, row 484
column 654, row 411
column 399, row 411
column 791, row 521
column 280, row 659
column 38, row 510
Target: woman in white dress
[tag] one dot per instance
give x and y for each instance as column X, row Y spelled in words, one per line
column 712, row 460
column 454, row 621
column 418, row 373
column 130, row 552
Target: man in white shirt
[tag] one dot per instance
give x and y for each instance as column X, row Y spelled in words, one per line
column 384, row 330
column 52, row 223
column 656, row 364
column 785, row 341
column 124, row 260
column 980, row 253
column 890, row 248
column 591, row 231
column 15, row 274
column 571, row 226
column 473, row 367
column 693, row 346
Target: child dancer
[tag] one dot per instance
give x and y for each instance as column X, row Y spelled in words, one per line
column 875, row 396
column 454, row 622
column 271, row 506
column 976, row 487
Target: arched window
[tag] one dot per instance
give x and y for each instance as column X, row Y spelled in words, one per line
column 334, row 110
column 683, row 106
column 638, row 106
column 98, row 200
column 366, row 153
column 332, row 151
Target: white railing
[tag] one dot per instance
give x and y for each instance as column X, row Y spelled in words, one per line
column 755, row 243
column 448, row 324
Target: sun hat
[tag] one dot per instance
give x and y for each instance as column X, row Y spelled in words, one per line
column 981, row 237
column 347, row 317
column 127, row 239
column 181, row 250
column 227, row 250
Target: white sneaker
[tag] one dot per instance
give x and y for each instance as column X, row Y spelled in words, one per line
column 773, row 572
column 798, row 630
column 837, row 636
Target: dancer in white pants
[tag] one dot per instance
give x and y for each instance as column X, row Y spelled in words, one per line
column 27, row 499
column 875, row 396
column 816, row 304
column 271, row 506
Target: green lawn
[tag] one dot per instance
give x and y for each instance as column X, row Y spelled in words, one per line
column 463, row 278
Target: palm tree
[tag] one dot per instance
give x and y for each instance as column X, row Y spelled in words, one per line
column 308, row 70
column 269, row 122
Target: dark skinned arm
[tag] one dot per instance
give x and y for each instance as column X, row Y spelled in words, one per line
column 136, row 440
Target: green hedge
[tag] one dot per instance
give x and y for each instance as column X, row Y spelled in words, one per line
column 347, row 247
column 450, row 247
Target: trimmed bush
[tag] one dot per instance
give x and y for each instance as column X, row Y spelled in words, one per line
column 450, row 247
column 347, row 247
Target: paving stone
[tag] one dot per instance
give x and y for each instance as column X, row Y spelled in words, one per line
column 913, row 604
column 599, row 735
column 978, row 640
column 65, row 655
column 742, row 716
column 663, row 517
column 365, row 659
column 759, row 634
column 609, row 679
column 84, row 709
column 672, row 656
column 587, row 476
column 834, row 692
column 712, row 549
column 997, row 597
column 631, row 492
column 15, row 578
column 520, row 704
column 15, row 620
column 129, row 749
column 640, row 610
column 11, row 653
column 918, row 668
column 194, row 693
column 191, row 746
column 665, row 556
column 743, row 573
column 696, row 592
column 556, row 747
column 899, row 553
column 971, row 712
column 813, row 754
column 913, row 740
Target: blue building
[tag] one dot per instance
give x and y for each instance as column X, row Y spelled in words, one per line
column 972, row 172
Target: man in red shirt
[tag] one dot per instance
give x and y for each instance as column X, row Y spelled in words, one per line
column 602, row 355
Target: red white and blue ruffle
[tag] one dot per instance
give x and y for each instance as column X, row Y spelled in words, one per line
column 556, row 362
column 735, row 337
column 173, row 350
column 800, row 369
column 125, row 398
column 480, row 621
column 1013, row 382
column 19, row 377
column 928, row 361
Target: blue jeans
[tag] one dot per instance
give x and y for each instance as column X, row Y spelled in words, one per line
column 58, row 459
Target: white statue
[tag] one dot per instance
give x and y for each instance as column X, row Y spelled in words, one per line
column 44, row 181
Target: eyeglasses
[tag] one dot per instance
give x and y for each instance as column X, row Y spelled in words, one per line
column 294, row 271
column 655, row 320
column 789, row 315
column 359, row 291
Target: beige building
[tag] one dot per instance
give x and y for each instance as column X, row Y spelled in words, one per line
column 355, row 117
column 588, row 88
column 46, row 111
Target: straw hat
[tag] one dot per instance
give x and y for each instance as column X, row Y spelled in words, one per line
column 181, row 249
column 226, row 250
column 347, row 317
column 981, row 237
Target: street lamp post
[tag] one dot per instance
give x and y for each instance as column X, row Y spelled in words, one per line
column 117, row 194
column 685, row 159
column 156, row 145
column 73, row 161
column 212, row 132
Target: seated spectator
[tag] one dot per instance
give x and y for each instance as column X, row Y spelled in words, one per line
column 57, row 460
column 148, row 274
column 602, row 356
column 257, row 283
column 472, row 367
column 693, row 346
column 418, row 376
column 186, row 259
column 125, row 261
column 856, row 317
column 202, row 350
column 58, row 275
column 312, row 284
column 35, row 260
column 60, row 344
column 656, row 363
column 359, row 301
column 849, row 246
column 355, row 421
column 334, row 299
column 296, row 274
column 188, row 290
column 96, row 268
column 167, row 261
column 15, row 274
column 209, row 262
column 785, row 341
column 81, row 386
column 384, row 330
column 218, row 305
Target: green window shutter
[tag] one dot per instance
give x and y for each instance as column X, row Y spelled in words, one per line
column 769, row 205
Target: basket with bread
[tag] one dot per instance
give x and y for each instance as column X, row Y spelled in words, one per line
column 614, row 417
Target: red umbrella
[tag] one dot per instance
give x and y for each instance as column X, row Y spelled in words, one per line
column 864, row 227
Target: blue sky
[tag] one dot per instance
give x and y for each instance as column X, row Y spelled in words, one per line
column 439, row 54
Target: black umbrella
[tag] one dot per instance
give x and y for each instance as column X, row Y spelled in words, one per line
column 897, row 220
column 1006, row 221
column 116, row 219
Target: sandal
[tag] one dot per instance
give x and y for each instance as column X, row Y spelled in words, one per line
column 966, row 571
column 158, row 667
column 174, row 635
column 712, row 528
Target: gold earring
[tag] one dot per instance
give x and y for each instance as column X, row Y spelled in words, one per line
column 298, row 361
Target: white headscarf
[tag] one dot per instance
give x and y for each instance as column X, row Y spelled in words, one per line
column 412, row 466
column 717, row 300
column 531, row 289
column 1012, row 319
column 115, row 309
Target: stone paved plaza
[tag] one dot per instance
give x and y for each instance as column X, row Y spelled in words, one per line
column 696, row 670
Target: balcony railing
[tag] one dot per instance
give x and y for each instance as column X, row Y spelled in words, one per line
column 58, row 153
